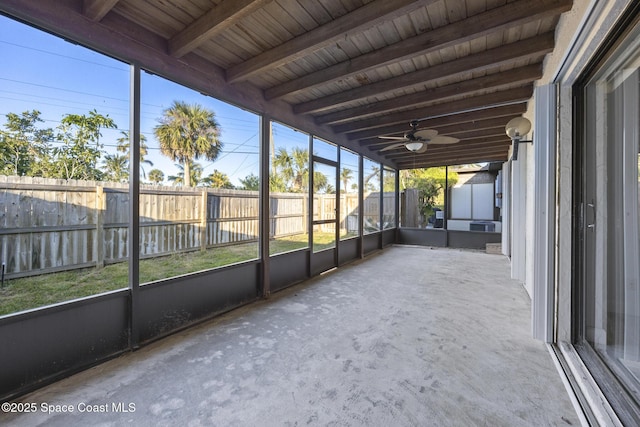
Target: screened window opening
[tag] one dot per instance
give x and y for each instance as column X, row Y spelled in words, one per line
column 199, row 187
column 371, row 195
column 289, row 189
column 63, row 170
column 349, row 197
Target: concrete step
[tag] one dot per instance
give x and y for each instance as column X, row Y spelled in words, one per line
column 494, row 248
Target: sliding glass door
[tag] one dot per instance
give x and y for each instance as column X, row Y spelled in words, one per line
column 609, row 291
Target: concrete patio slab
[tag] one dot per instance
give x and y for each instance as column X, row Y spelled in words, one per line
column 408, row 337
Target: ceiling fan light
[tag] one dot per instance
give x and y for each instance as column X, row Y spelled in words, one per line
column 414, row 146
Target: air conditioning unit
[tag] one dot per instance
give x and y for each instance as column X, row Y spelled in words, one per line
column 482, row 226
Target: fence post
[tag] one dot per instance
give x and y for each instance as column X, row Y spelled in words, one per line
column 305, row 213
column 203, row 221
column 410, row 210
column 101, row 206
column 321, row 201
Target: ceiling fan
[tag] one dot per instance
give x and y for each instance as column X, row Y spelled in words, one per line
column 417, row 141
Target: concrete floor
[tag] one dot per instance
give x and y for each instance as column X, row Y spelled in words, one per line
column 408, row 337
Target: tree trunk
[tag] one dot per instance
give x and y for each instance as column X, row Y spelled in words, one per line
column 187, row 174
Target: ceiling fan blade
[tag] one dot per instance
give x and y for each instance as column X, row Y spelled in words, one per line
column 395, row 138
column 444, row 140
column 425, row 134
column 392, row 146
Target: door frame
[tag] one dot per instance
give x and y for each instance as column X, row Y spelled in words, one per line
column 325, row 259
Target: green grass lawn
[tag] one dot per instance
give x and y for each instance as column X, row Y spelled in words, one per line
column 37, row 291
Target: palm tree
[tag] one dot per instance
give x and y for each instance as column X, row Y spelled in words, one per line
column 345, row 175
column 283, row 164
column 301, row 168
column 123, row 147
column 188, row 132
column 218, row 179
column 292, row 169
column 156, row 176
column 328, row 189
column 195, row 172
column 320, row 182
column 117, row 167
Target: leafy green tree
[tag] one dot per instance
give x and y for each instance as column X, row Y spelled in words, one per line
column 23, row 146
column 123, row 147
column 187, row 133
column 388, row 181
column 218, row 179
column 80, row 151
column 156, row 176
column 195, row 169
column 430, row 184
column 251, row 182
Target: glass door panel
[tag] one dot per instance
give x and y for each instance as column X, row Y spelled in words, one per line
column 610, row 214
column 349, row 198
column 324, row 206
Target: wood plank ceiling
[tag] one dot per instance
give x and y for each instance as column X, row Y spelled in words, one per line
column 357, row 69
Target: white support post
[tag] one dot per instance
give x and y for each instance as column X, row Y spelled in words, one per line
column 542, row 308
column 506, row 208
column 519, row 216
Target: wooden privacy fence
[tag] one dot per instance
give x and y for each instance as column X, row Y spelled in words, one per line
column 49, row 225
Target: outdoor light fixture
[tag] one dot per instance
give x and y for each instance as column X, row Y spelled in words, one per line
column 414, row 146
column 516, row 129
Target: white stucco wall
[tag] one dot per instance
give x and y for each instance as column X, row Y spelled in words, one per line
column 578, row 35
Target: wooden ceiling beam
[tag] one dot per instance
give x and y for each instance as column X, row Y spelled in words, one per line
column 460, row 158
column 533, row 47
column 460, row 130
column 454, row 161
column 218, row 19
column 471, row 87
column 97, row 9
column 473, row 156
column 352, row 23
column 434, row 150
column 453, row 130
column 500, row 18
column 498, row 130
column 468, row 142
column 448, row 120
column 486, row 143
column 495, row 99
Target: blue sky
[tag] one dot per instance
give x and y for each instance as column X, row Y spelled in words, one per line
column 46, row 73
